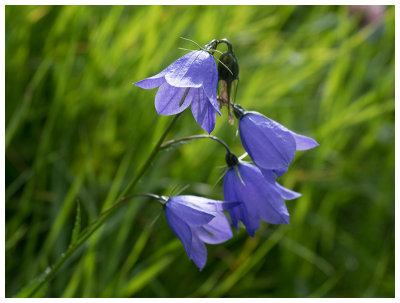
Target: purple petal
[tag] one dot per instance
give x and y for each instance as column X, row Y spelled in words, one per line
column 210, row 81
column 196, row 69
column 181, row 229
column 203, row 204
column 154, row 81
column 198, row 252
column 218, row 230
column 303, row 142
column 268, row 144
column 268, row 175
column 262, row 196
column 279, row 215
column 169, row 98
column 286, row 193
column 280, row 172
column 150, row 83
column 240, row 213
column 233, row 192
column 189, row 70
column 190, row 216
column 203, row 112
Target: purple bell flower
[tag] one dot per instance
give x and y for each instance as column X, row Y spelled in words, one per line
column 195, row 221
column 190, row 80
column 269, row 144
column 261, row 198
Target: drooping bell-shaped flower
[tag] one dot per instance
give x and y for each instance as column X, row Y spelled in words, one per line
column 260, row 198
column 190, row 80
column 195, row 221
column 269, row 144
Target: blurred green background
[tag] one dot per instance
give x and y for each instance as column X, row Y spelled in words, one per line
column 78, row 130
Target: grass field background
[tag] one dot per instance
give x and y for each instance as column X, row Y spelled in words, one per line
column 77, row 130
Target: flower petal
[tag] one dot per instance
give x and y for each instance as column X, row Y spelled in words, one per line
column 169, row 99
column 218, row 230
column 268, row 175
column 189, row 70
column 268, row 144
column 240, row 213
column 151, row 82
column 279, row 215
column 286, row 193
column 280, row 171
column 262, row 196
column 210, row 82
column 181, row 230
column 303, row 142
column 154, row 81
column 203, row 112
column 203, row 204
column 189, row 215
column 235, row 191
column 198, row 252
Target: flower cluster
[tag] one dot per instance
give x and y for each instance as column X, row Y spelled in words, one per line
column 251, row 192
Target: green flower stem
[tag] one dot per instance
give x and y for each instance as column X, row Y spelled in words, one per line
column 48, row 274
column 195, row 137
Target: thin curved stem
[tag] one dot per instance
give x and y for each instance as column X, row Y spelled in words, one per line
column 227, row 42
column 172, row 142
column 48, row 274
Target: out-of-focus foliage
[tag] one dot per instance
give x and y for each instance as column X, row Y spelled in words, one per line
column 78, row 130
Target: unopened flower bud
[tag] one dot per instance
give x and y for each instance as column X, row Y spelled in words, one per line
column 228, row 72
column 228, row 67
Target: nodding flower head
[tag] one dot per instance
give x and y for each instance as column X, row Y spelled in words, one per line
column 261, row 197
column 195, row 221
column 190, row 80
column 269, row 144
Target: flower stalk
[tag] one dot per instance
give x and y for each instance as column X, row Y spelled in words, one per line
column 195, row 137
